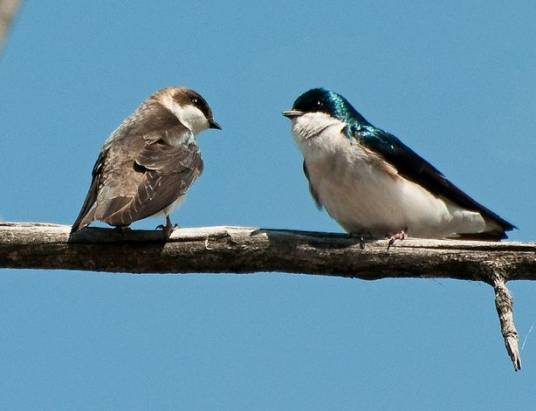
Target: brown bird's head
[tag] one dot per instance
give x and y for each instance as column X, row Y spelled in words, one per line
column 188, row 106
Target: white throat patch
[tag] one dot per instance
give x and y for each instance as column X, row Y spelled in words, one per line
column 189, row 115
column 311, row 124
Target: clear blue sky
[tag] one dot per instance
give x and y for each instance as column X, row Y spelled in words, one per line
column 454, row 81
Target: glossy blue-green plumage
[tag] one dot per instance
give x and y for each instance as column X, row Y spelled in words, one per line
column 408, row 163
column 327, row 101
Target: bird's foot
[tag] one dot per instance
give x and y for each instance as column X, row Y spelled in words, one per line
column 401, row 235
column 168, row 228
column 363, row 237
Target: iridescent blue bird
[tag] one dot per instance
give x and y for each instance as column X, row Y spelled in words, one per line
column 373, row 184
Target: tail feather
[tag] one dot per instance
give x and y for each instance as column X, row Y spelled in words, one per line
column 83, row 220
column 87, row 213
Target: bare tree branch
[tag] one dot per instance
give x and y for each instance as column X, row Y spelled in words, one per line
column 247, row 250
column 8, row 9
column 504, row 305
column 244, row 250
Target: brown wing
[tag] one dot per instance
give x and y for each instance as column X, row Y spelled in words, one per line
column 168, row 172
column 86, row 214
column 141, row 169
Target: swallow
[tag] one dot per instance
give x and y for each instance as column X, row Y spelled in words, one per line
column 148, row 163
column 374, row 185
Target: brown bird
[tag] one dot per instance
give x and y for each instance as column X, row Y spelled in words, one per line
column 148, row 163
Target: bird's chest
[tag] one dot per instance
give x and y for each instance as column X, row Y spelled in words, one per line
column 357, row 188
column 339, row 166
column 364, row 193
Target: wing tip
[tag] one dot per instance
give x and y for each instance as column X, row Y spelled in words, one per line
column 83, row 221
column 505, row 227
column 77, row 227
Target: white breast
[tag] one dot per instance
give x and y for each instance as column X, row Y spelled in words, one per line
column 364, row 194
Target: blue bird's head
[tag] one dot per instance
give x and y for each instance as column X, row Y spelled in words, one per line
column 325, row 101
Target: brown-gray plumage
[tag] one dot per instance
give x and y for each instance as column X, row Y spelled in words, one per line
column 147, row 164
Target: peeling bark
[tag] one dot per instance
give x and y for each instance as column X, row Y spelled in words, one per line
column 504, row 306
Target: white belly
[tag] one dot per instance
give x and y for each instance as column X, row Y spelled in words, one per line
column 364, row 195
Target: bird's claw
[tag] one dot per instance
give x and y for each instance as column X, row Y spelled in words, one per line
column 362, row 237
column 398, row 236
column 167, row 229
column 164, row 227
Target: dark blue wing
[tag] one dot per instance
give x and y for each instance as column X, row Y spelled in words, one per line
column 415, row 168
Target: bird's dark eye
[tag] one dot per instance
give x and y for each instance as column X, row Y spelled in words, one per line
column 319, row 103
column 195, row 101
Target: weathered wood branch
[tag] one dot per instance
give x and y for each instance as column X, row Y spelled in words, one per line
column 8, row 9
column 504, row 305
column 246, row 250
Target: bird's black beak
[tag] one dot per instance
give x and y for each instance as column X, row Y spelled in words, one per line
column 213, row 124
column 292, row 113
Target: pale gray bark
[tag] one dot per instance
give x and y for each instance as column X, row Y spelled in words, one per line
column 8, row 9
column 247, row 250
column 504, row 305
